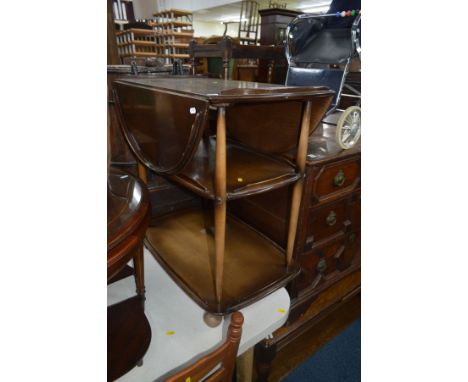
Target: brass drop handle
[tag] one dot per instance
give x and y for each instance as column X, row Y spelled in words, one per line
column 321, row 265
column 331, row 218
column 339, row 178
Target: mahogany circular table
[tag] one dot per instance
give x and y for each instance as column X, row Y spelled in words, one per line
column 128, row 329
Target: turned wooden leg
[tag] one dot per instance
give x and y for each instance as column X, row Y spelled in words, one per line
column 264, row 356
column 138, row 264
column 244, row 366
column 298, row 186
column 225, row 68
column 271, row 65
column 220, row 202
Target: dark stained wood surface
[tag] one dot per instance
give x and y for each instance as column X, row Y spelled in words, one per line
column 327, row 246
column 128, row 336
column 128, row 216
column 128, row 213
column 222, row 91
column 248, row 172
column 164, row 120
column 254, row 266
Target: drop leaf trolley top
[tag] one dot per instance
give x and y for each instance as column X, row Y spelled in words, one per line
column 222, row 140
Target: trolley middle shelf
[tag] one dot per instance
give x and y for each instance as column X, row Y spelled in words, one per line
column 247, row 173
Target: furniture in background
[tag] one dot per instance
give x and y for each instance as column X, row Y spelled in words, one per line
column 226, row 49
column 122, row 12
column 273, row 24
column 172, row 32
column 248, row 23
column 128, row 213
column 327, row 245
column 166, row 37
column 219, row 364
column 136, row 42
column 180, row 337
column 221, row 263
column 164, row 195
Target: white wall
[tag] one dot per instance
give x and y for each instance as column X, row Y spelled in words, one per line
column 191, row 5
column 208, row 29
column 144, row 9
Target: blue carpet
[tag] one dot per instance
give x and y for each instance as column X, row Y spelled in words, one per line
column 338, row 361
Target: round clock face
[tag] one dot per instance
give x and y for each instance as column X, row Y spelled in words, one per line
column 348, row 128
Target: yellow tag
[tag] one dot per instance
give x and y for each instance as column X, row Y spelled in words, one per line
column 170, row 333
column 188, row 379
column 240, row 180
column 281, row 310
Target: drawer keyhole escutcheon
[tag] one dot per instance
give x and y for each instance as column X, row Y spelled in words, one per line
column 331, row 218
column 339, row 178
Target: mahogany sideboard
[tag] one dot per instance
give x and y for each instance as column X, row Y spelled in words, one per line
column 327, row 244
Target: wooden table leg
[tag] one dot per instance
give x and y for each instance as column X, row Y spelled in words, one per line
column 138, row 264
column 264, row 356
column 299, row 185
column 220, row 202
column 244, row 366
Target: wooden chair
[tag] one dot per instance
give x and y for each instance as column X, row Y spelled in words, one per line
column 224, row 355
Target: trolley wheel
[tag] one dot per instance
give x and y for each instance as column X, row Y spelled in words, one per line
column 348, row 127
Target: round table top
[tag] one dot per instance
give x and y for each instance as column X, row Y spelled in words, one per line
column 127, row 207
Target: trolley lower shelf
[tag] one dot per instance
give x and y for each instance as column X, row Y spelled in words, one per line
column 254, row 266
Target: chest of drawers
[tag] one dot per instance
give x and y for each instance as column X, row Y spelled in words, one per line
column 327, row 246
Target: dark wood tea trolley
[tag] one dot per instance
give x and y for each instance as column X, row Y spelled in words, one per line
column 327, row 245
column 128, row 213
column 223, row 141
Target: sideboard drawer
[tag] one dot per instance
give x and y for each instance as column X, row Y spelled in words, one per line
column 325, row 221
column 319, row 264
column 336, row 178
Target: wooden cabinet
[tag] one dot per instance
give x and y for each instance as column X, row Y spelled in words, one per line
column 273, row 24
column 327, row 246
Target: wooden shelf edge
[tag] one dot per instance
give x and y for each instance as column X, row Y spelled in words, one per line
column 250, row 293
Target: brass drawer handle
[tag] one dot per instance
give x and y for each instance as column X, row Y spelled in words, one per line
column 339, row 178
column 331, row 218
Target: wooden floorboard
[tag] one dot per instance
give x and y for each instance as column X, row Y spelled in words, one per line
column 295, row 353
